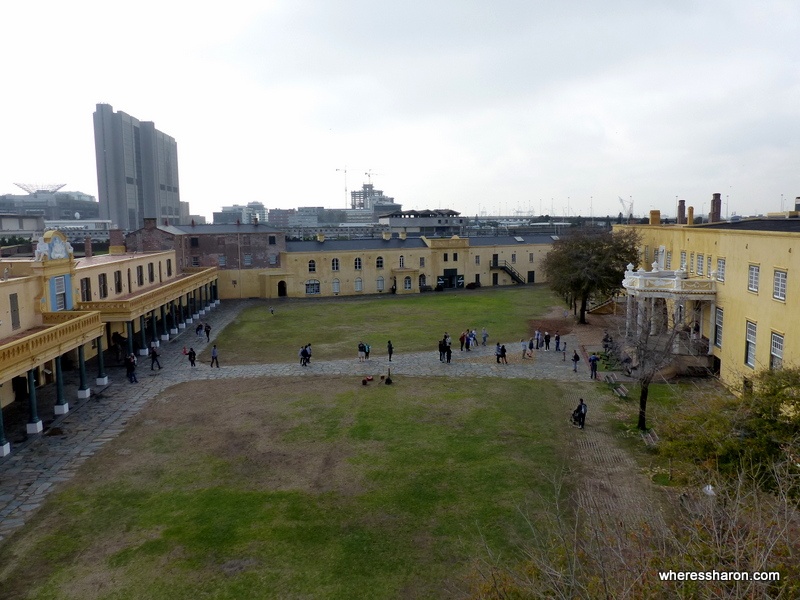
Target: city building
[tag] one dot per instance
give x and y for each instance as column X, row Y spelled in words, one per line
column 47, row 201
column 257, row 261
column 76, row 231
column 137, row 170
column 735, row 284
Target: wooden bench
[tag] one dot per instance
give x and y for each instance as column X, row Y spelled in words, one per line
column 650, row 438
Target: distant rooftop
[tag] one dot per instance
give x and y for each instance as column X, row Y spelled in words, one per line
column 781, row 224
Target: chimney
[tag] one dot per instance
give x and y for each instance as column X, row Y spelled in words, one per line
column 690, row 216
column 116, row 241
column 681, row 212
column 149, row 223
column 87, row 247
column 797, row 203
column 320, row 237
column 716, row 209
column 655, row 217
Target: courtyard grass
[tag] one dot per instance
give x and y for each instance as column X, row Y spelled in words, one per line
column 334, row 326
column 330, row 489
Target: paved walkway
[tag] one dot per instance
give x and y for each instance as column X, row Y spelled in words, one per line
column 38, row 464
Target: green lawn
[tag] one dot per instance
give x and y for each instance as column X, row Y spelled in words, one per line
column 335, row 326
column 327, row 490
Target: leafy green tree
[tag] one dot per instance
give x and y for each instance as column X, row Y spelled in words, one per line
column 589, row 263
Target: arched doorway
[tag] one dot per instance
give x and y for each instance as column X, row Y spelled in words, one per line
column 281, row 289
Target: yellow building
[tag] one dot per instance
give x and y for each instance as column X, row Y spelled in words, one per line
column 748, row 323
column 57, row 311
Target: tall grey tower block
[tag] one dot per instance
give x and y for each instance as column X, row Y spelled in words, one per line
column 137, row 170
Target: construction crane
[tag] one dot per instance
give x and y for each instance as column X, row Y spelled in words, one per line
column 627, row 207
column 346, row 198
column 369, row 175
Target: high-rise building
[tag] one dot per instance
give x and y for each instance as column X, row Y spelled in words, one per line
column 137, row 170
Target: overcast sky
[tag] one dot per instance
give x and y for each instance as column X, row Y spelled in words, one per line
column 505, row 106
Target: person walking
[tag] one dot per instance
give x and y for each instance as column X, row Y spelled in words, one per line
column 214, row 356
column 208, row 332
column 503, row 358
column 497, row 352
column 593, row 360
column 361, row 351
column 192, row 357
column 154, row 359
column 547, row 341
column 581, row 410
column 308, row 353
column 558, row 342
column 524, row 345
column 366, row 351
column 198, row 331
column 462, row 338
column 389, row 349
column 485, row 335
column 130, row 368
column 575, row 359
column 303, row 354
column 448, row 353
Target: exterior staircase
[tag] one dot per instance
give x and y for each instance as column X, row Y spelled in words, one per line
column 504, row 265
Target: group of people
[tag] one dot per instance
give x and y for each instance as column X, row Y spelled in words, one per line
column 200, row 329
column 305, row 355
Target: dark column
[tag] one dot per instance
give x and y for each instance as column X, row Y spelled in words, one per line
column 174, row 314
column 143, row 336
column 164, row 329
column 154, row 328
column 130, row 338
column 34, row 422
column 5, row 447
column 102, row 378
column 83, row 391
column 62, row 407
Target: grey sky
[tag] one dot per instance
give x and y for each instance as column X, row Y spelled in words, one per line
column 505, row 106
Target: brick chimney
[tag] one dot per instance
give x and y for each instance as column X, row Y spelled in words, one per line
column 655, row 217
column 681, row 212
column 150, row 223
column 87, row 247
column 716, row 209
column 116, row 241
column 690, row 216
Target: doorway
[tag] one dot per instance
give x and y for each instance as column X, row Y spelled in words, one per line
column 281, row 289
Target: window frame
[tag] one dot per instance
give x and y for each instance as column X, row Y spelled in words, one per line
column 753, row 276
column 776, row 351
column 719, row 321
column 751, row 331
column 358, row 284
column 334, row 264
column 313, row 286
column 312, row 266
column 778, row 288
column 721, row 269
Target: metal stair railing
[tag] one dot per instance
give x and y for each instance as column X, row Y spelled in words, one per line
column 505, row 266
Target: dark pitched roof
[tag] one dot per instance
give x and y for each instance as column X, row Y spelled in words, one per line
column 781, row 225
column 359, row 244
column 221, row 229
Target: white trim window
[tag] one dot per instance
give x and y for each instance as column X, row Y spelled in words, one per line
column 335, row 286
column 312, row 286
column 359, row 284
column 379, row 262
column 407, row 283
column 669, row 260
column 357, row 264
column 691, row 262
column 380, row 284
column 700, row 262
column 683, row 260
column 708, row 266
column 248, row 260
column 776, row 352
column 752, row 278
column 718, row 319
column 779, row 285
column 334, row 264
column 720, row 269
column 222, row 260
column 750, row 345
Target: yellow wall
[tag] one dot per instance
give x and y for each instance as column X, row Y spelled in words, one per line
column 294, row 270
column 739, row 249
